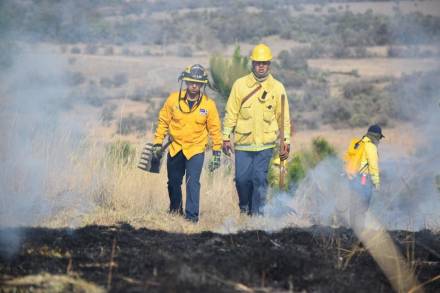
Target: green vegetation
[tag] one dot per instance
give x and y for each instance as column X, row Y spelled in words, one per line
column 229, row 22
column 225, row 71
column 132, row 124
column 120, row 153
column 303, row 161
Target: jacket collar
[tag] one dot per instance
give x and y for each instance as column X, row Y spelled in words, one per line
column 251, row 81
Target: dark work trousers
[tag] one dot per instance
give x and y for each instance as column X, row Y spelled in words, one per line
column 177, row 166
column 361, row 195
column 251, row 170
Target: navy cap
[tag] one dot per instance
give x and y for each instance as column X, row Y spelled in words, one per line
column 376, row 129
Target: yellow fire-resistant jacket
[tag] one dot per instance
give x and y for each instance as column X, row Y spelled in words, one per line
column 256, row 123
column 371, row 158
column 189, row 130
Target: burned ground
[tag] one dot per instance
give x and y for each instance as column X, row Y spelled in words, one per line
column 125, row 259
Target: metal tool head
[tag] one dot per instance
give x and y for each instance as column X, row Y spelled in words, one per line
column 148, row 162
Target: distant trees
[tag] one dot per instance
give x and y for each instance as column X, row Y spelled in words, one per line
column 228, row 24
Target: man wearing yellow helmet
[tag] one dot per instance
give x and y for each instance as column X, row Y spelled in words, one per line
column 253, row 116
column 188, row 116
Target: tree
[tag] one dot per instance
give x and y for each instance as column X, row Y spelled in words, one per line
column 225, row 71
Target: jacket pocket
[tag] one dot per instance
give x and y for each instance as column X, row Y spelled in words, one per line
column 270, row 133
column 268, row 116
column 245, row 112
column 243, row 132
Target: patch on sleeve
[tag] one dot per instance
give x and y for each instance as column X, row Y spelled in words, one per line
column 203, row 112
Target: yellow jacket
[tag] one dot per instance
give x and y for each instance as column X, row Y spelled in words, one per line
column 189, row 130
column 370, row 157
column 256, row 123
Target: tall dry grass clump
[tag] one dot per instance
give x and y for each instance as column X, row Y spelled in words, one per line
column 108, row 189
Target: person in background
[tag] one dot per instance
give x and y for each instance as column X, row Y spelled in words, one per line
column 367, row 178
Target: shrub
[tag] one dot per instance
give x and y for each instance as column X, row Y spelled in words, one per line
column 120, row 79
column 91, row 49
column 184, row 51
column 120, row 153
column 75, row 78
column 354, row 88
column 132, row 124
column 359, row 120
column 138, row 94
column 109, row 51
column 225, row 71
column 106, row 82
column 307, row 159
column 107, row 114
column 75, row 50
column 293, row 60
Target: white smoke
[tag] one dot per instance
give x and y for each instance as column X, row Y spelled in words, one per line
column 36, row 144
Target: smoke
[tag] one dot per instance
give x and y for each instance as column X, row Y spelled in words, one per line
column 37, row 143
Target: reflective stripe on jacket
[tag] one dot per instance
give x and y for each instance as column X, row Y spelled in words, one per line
column 370, row 157
column 189, row 130
column 256, row 122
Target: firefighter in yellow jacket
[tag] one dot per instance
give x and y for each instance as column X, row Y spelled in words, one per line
column 189, row 117
column 253, row 117
column 367, row 178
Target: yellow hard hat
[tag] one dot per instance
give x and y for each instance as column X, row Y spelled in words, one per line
column 261, row 52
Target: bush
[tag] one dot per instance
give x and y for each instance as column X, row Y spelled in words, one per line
column 120, row 153
column 132, row 124
column 109, row 51
column 307, row 159
column 334, row 111
column 119, row 79
column 139, row 94
column 354, row 88
column 225, row 71
column 75, row 50
column 91, row 49
column 106, row 82
column 75, row 78
column 107, row 114
column 293, row 60
column 184, row 51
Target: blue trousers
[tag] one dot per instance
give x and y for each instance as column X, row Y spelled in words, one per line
column 178, row 166
column 360, row 200
column 251, row 170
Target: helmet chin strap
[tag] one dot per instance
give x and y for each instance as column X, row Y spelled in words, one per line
column 198, row 99
column 260, row 77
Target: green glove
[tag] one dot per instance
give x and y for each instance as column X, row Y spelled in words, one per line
column 215, row 161
column 157, row 151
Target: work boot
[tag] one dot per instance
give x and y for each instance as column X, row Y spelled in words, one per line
column 178, row 212
column 192, row 220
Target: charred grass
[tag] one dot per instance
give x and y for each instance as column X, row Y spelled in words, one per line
column 124, row 259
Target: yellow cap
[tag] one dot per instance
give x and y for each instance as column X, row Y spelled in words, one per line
column 261, row 52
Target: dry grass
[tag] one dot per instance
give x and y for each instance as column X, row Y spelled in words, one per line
column 109, row 193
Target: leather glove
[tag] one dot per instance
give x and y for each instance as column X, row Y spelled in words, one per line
column 215, row 161
column 284, row 152
column 227, row 147
column 157, row 151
